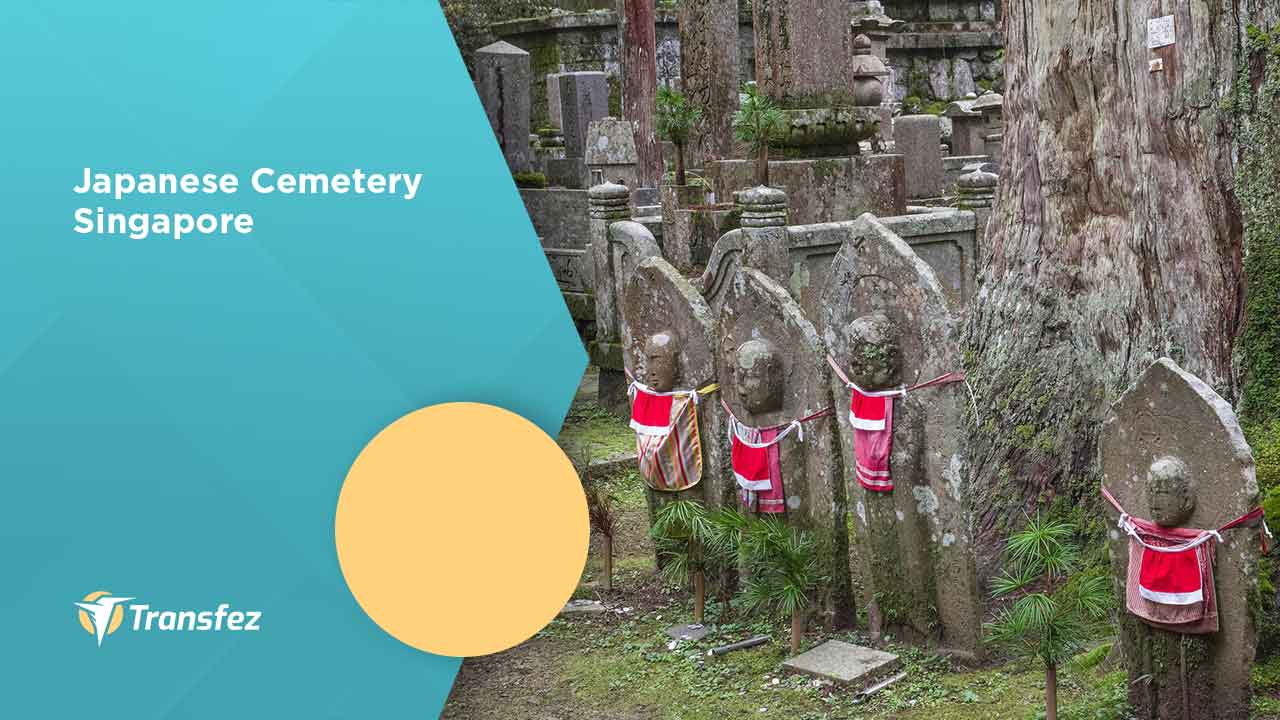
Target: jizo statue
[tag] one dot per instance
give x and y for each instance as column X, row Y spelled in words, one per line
column 758, row 372
column 661, row 364
column 876, row 357
column 1171, row 493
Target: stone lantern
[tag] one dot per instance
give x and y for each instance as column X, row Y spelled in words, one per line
column 867, row 71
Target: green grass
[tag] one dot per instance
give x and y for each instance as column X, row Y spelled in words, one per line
column 591, row 431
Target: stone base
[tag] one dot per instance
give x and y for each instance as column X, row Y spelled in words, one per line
column 568, row 173
column 843, row 663
column 692, row 633
column 823, row 190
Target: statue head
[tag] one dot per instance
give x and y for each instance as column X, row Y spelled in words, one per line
column 758, row 375
column 875, row 361
column 660, row 366
column 1171, row 492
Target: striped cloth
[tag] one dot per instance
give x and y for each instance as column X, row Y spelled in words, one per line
column 669, row 462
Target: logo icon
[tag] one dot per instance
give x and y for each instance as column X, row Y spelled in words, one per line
column 101, row 613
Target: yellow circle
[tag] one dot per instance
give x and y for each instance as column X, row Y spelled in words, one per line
column 117, row 615
column 462, row 529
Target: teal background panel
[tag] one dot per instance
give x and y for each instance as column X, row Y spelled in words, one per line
column 177, row 417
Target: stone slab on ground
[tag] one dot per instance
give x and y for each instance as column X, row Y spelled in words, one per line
column 583, row 607
column 692, row 633
column 843, row 663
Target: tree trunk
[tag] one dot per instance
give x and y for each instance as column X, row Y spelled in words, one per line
column 680, row 179
column 762, row 165
column 699, row 596
column 1115, row 239
column 1050, row 691
column 606, row 547
column 797, row 630
column 638, row 34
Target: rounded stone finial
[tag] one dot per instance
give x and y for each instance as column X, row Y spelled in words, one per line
column 609, row 201
column 861, row 45
column 976, row 188
column 762, row 206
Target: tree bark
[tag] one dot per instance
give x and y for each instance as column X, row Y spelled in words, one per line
column 680, row 178
column 797, row 630
column 699, row 596
column 606, row 547
column 1115, row 239
column 637, row 32
column 762, row 165
column 1050, row 692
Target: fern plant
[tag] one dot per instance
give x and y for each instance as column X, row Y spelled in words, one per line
column 675, row 119
column 783, row 572
column 759, row 123
column 692, row 540
column 602, row 514
column 1056, row 606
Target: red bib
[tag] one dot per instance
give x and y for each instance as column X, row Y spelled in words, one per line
column 750, row 466
column 1171, row 578
column 867, row 412
column 650, row 413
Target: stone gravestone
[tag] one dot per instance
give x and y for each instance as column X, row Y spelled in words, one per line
column 584, row 98
column 503, row 78
column 886, row 321
column 802, row 51
column 919, row 139
column 1170, row 419
column 611, row 151
column 554, row 112
column 771, row 370
column 709, row 74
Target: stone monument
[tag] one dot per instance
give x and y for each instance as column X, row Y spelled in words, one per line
column 669, row 343
column 919, row 139
column 772, row 372
column 502, row 81
column 885, row 319
column 709, row 74
column 1173, row 453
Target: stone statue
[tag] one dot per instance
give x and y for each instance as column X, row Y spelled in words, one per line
column 670, row 345
column 885, row 319
column 772, row 366
column 661, row 361
column 757, row 376
column 1173, row 453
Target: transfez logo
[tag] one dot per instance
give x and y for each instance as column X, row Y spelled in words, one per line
column 102, row 613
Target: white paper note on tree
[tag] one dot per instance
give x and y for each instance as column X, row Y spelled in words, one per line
column 1160, row 32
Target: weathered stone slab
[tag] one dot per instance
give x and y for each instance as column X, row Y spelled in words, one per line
column 502, row 81
column 687, row 633
column 843, row 663
column 885, row 318
column 611, row 151
column 669, row 343
column 823, row 190
column 803, row 48
column 582, row 607
column 918, row 138
column 584, row 98
column 772, row 371
column 1171, row 419
column 709, row 74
